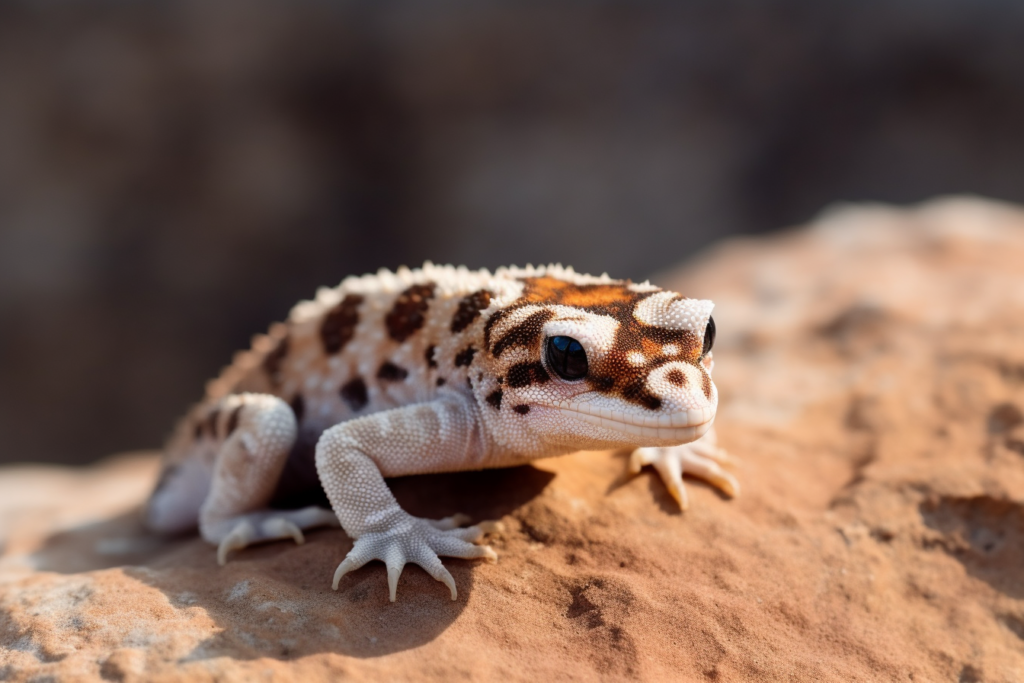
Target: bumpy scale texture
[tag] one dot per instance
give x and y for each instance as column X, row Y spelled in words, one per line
column 437, row 369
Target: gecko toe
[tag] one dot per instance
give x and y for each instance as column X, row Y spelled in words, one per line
column 453, row 546
column 355, row 559
column 639, row 458
column 261, row 526
column 447, row 523
column 394, row 572
column 432, row 565
column 470, row 533
column 278, row 527
column 711, row 472
column 491, row 526
column 671, row 471
column 702, row 459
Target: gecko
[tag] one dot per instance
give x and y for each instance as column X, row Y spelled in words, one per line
column 437, row 369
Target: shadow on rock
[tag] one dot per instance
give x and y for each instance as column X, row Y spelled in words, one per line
column 275, row 600
column 114, row 542
column 984, row 534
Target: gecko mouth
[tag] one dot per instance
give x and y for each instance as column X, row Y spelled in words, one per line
column 681, row 427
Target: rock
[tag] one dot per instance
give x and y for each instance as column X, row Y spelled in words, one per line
column 871, row 370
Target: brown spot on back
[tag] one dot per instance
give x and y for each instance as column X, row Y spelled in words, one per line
column 465, row 357
column 522, row 409
column 526, row 333
column 273, row 360
column 494, row 398
column 677, row 377
column 525, row 374
column 389, row 372
column 339, row 325
column 298, row 406
column 431, row 363
column 469, row 309
column 354, row 394
column 407, row 314
column 211, row 423
column 495, row 318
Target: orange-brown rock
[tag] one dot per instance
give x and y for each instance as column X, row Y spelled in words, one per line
column 871, row 370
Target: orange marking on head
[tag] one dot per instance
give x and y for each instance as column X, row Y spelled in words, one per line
column 552, row 290
column 598, row 295
column 650, row 348
column 543, row 289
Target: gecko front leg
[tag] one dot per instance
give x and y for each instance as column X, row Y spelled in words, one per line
column 701, row 458
column 352, row 459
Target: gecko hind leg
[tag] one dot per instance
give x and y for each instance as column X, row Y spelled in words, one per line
column 258, row 432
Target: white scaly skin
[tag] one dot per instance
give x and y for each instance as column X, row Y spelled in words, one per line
column 439, row 369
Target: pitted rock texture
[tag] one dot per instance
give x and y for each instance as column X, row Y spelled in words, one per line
column 871, row 369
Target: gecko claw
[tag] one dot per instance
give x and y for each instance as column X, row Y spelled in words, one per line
column 347, row 565
column 438, row 571
column 394, row 571
column 236, row 540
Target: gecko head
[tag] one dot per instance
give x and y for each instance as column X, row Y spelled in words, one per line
column 604, row 364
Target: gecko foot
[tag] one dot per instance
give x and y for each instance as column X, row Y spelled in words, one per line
column 420, row 541
column 697, row 459
column 267, row 525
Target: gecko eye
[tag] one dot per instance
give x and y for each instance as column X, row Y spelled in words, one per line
column 567, row 357
column 709, row 336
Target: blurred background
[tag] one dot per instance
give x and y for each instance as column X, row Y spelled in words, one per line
column 174, row 176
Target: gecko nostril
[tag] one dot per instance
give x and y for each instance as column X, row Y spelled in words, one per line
column 677, row 377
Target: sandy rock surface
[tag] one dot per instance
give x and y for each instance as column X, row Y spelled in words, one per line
column 871, row 370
